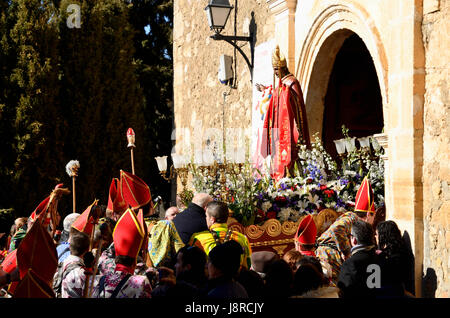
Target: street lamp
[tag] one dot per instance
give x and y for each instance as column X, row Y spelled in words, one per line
column 218, row 12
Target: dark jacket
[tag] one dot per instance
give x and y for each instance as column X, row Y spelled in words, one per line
column 354, row 273
column 397, row 273
column 225, row 288
column 190, row 221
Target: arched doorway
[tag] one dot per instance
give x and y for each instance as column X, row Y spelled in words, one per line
column 353, row 96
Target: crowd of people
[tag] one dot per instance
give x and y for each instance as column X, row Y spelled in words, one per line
column 118, row 251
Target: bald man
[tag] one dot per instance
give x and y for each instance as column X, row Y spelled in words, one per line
column 171, row 213
column 193, row 218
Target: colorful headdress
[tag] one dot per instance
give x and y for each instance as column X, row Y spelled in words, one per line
column 32, row 286
column 135, row 191
column 37, row 252
column 364, row 201
column 128, row 235
column 9, row 264
column 87, row 220
column 307, row 231
column 278, row 59
column 116, row 202
column 42, row 207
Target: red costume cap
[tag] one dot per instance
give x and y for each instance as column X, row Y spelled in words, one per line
column 37, row 251
column 364, row 197
column 116, row 203
column 10, row 262
column 128, row 235
column 86, row 221
column 135, row 191
column 32, row 286
column 307, row 231
column 40, row 208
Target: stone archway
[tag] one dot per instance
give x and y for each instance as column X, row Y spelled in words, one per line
column 353, row 95
column 318, row 53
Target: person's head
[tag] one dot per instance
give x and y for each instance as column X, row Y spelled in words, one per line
column 216, row 212
column 68, row 221
column 310, row 260
column 20, row 222
column 103, row 232
column 79, row 243
column 191, row 262
column 202, row 199
column 261, row 261
column 367, row 217
column 224, row 260
column 252, row 282
column 171, row 213
column 292, row 257
column 361, row 234
column 279, row 279
column 308, row 278
column 324, row 219
column 279, row 63
column 389, row 236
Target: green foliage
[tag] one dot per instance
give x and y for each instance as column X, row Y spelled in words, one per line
column 6, row 220
column 71, row 94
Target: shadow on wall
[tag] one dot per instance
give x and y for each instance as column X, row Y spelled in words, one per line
column 429, row 280
column 411, row 270
column 429, row 284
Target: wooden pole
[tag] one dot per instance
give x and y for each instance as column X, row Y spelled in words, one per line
column 132, row 160
column 73, row 193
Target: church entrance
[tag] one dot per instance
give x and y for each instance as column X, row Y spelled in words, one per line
column 353, row 95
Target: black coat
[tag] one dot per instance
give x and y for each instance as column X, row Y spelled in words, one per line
column 190, row 221
column 354, row 273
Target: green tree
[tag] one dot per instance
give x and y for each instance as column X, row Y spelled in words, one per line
column 8, row 99
column 153, row 22
column 101, row 95
column 38, row 140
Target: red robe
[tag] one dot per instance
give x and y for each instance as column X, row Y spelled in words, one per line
column 285, row 125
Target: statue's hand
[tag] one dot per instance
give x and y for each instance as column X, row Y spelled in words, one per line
column 260, row 87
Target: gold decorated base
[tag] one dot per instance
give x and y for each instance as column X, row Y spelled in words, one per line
column 271, row 236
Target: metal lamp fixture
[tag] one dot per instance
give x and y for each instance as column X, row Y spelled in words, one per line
column 218, row 12
column 340, row 146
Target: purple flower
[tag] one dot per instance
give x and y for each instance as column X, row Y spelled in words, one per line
column 275, row 207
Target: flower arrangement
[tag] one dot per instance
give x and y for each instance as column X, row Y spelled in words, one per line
column 316, row 182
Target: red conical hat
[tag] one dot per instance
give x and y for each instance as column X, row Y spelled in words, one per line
column 10, row 262
column 307, row 231
column 128, row 235
column 32, row 286
column 86, row 221
column 364, row 197
column 134, row 190
column 40, row 208
column 116, row 203
column 37, row 251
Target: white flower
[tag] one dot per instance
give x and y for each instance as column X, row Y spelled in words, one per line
column 284, row 214
column 266, row 206
column 314, row 199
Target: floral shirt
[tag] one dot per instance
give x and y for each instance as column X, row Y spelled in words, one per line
column 205, row 240
column 334, row 242
column 106, row 261
column 73, row 284
column 164, row 243
column 137, row 286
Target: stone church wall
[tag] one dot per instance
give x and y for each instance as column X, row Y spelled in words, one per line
column 436, row 170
